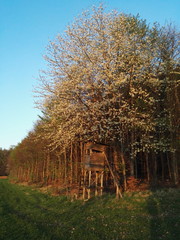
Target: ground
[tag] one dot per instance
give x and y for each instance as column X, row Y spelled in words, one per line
column 26, row 213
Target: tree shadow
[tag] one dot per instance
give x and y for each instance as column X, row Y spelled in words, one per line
column 164, row 209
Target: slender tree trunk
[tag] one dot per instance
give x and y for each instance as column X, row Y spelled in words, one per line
column 169, row 167
column 155, row 168
column 65, row 167
column 44, row 170
column 132, row 162
column 162, row 167
column 71, row 164
column 47, row 167
column 147, row 166
column 124, row 172
column 175, row 169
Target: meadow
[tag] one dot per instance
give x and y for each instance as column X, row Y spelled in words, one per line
column 28, row 214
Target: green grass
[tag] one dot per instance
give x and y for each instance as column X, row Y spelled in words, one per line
column 27, row 214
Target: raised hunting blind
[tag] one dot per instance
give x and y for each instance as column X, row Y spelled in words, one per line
column 94, row 158
column 95, row 162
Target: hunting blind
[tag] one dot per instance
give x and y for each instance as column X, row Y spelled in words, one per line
column 94, row 162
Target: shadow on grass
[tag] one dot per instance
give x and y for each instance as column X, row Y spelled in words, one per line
column 27, row 214
column 164, row 209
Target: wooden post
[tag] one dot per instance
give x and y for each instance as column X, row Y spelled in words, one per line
column 84, row 183
column 96, row 190
column 102, row 176
column 118, row 191
column 89, row 186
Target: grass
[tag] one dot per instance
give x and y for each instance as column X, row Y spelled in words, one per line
column 26, row 213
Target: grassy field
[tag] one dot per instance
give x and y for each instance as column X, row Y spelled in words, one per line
column 27, row 214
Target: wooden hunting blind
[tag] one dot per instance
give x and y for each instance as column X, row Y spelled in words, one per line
column 93, row 169
column 94, row 158
column 94, row 162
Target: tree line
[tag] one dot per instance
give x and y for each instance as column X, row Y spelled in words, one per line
column 4, row 157
column 111, row 79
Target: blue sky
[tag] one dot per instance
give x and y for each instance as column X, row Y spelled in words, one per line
column 26, row 27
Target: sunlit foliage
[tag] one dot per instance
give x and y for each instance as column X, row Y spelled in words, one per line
column 112, row 79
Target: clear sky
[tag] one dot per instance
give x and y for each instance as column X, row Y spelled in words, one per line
column 26, row 27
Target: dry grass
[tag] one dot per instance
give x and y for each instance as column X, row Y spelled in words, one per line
column 3, row 177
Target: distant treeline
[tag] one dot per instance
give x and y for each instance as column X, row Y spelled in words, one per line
column 4, row 156
column 115, row 80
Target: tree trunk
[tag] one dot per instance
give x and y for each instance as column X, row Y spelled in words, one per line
column 175, row 169
column 147, row 166
column 124, row 172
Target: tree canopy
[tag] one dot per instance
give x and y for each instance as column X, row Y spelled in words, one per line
column 114, row 79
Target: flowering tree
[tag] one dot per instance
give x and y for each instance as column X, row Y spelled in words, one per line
column 111, row 79
column 100, row 81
